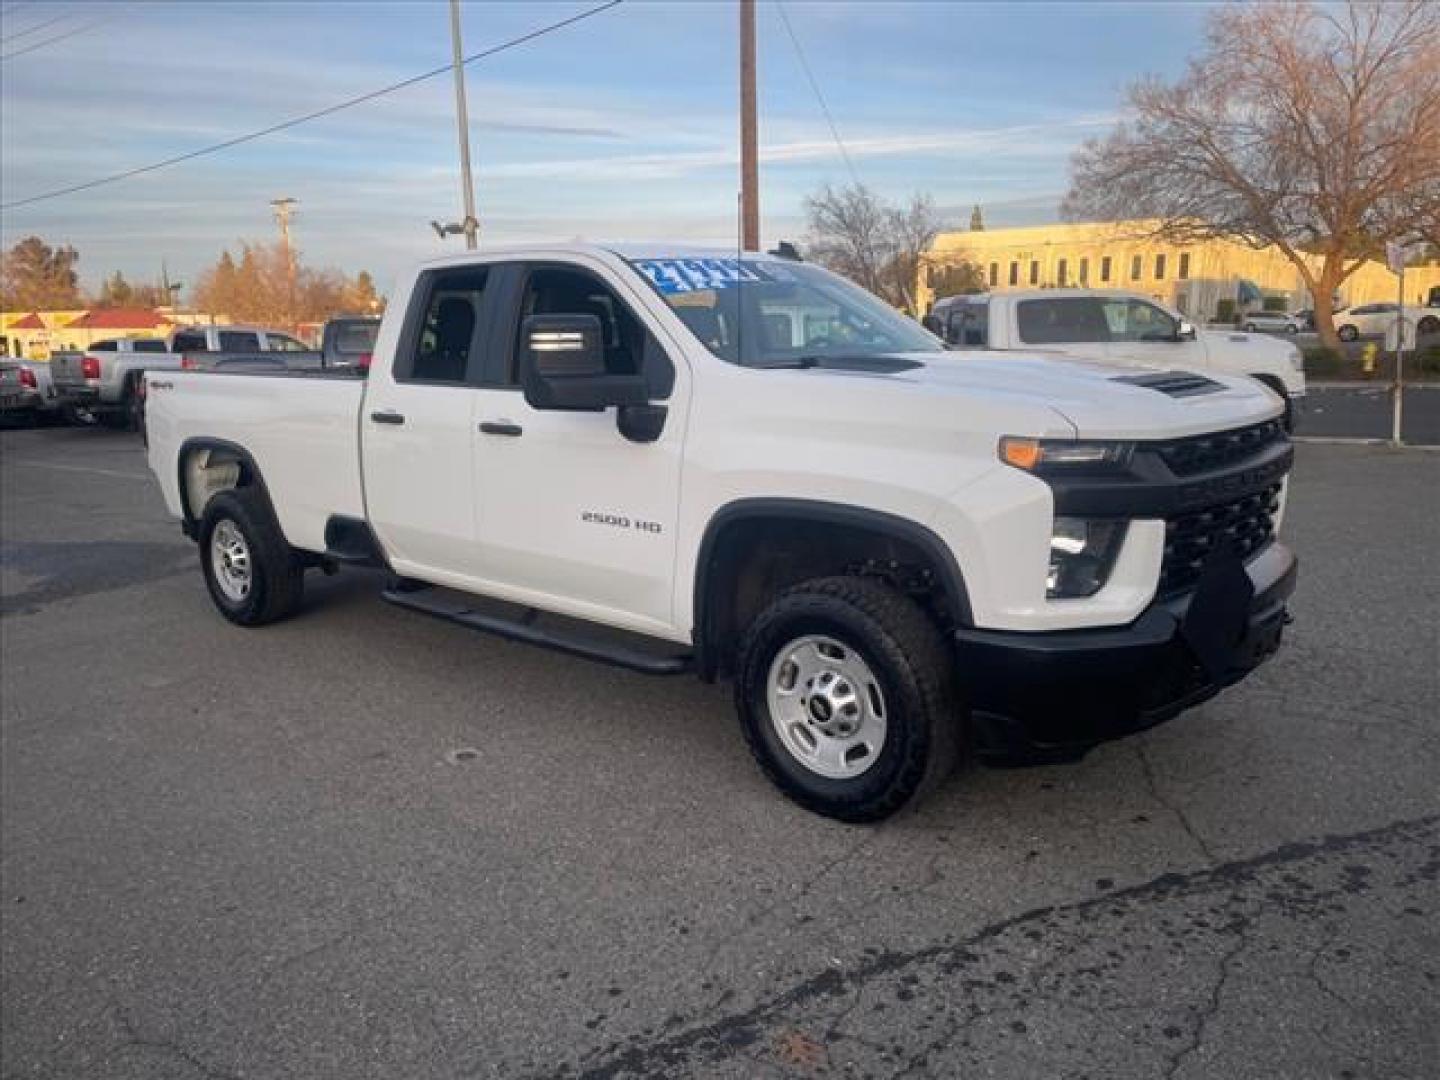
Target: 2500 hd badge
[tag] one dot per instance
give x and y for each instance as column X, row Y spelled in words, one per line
column 619, row 521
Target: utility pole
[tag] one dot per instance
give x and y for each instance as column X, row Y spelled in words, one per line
column 470, row 225
column 171, row 290
column 284, row 207
column 749, row 139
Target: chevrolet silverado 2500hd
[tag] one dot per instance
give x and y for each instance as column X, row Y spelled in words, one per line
column 748, row 467
column 1119, row 328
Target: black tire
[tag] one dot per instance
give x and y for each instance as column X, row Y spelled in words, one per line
column 1347, row 333
column 1428, row 325
column 1249, row 328
column 905, row 651
column 276, row 577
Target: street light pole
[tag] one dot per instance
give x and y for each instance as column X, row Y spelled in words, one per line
column 462, row 118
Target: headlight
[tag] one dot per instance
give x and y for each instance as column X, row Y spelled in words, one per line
column 1064, row 455
column 1082, row 551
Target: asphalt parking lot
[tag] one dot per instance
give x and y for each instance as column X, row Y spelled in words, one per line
column 258, row 854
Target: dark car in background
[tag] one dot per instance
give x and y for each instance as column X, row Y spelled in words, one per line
column 349, row 343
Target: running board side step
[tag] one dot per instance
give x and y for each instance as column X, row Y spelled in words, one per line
column 524, row 629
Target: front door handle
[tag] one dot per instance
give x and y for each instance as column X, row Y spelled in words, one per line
column 389, row 416
column 500, row 427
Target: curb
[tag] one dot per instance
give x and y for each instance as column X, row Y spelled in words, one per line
column 1351, row 440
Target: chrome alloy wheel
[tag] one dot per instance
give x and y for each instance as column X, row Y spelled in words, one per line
column 827, row 707
column 230, row 560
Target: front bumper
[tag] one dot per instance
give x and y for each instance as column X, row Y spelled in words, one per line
column 1058, row 694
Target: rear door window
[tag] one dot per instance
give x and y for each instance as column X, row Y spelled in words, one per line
column 968, row 325
column 103, row 346
column 147, row 346
column 1065, row 320
column 239, row 341
column 443, row 344
column 190, row 342
column 353, row 338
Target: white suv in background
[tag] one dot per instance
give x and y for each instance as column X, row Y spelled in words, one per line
column 1118, row 328
column 1373, row 320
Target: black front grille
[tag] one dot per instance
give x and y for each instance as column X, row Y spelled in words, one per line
column 1246, row 524
column 1203, row 453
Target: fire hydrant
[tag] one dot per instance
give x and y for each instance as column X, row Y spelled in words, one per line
column 1367, row 358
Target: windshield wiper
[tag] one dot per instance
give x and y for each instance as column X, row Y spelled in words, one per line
column 802, row 362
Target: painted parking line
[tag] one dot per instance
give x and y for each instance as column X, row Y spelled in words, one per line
column 83, row 469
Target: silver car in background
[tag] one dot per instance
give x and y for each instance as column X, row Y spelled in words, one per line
column 1273, row 322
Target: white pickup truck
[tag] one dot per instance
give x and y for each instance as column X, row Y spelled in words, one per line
column 748, row 467
column 1120, row 328
column 104, row 380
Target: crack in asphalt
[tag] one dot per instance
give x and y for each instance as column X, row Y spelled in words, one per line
column 716, row 1039
column 1176, row 811
column 1212, row 1004
column 168, row 1048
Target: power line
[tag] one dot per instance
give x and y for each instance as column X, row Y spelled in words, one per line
column 52, row 40
column 815, row 86
column 316, row 115
column 38, row 26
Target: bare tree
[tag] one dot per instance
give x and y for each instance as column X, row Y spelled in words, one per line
column 257, row 288
column 855, row 232
column 1312, row 128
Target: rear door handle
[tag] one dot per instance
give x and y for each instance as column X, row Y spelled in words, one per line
column 389, row 416
column 500, row 427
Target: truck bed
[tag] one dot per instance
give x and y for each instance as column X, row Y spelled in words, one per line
column 301, row 427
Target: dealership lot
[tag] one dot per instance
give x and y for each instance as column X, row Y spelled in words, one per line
column 365, row 844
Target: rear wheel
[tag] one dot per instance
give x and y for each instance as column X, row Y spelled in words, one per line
column 1250, row 327
column 846, row 695
column 1348, row 333
column 252, row 575
column 1429, row 324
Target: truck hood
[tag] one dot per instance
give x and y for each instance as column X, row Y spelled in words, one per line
column 1094, row 397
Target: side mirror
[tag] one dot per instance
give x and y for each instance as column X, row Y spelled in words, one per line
column 562, row 366
column 1185, row 331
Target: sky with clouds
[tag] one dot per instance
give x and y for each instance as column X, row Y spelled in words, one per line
column 622, row 127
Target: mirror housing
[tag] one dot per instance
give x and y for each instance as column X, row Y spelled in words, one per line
column 1185, row 331
column 562, row 366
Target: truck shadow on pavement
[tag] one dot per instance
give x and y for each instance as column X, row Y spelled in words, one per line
column 54, row 570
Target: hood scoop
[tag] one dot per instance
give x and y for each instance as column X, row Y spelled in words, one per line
column 1176, row 384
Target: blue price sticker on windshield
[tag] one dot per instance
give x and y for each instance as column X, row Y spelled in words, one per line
column 672, row 276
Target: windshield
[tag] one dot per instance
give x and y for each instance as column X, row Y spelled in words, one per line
column 767, row 313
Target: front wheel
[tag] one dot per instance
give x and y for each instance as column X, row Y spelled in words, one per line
column 847, row 698
column 1429, row 325
column 1348, row 333
column 252, row 575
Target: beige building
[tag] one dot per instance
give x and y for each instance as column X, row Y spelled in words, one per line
column 1192, row 278
column 34, row 335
